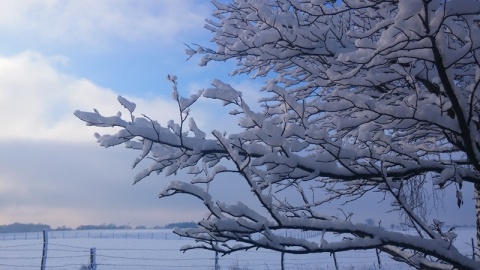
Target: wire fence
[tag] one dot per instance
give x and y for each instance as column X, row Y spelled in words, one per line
column 164, row 234
column 160, row 250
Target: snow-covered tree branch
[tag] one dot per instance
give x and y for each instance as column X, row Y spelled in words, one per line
column 369, row 96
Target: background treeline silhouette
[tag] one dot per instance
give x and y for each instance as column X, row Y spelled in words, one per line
column 31, row 227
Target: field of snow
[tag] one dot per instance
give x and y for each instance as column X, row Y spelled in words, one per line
column 159, row 249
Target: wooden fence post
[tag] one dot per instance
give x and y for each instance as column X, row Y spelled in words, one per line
column 335, row 260
column 473, row 250
column 93, row 259
column 44, row 252
column 217, row 267
column 378, row 258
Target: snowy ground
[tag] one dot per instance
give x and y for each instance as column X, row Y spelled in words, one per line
column 159, row 249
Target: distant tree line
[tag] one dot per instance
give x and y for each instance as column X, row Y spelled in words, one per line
column 30, row 227
column 21, row 227
column 190, row 224
column 104, row 227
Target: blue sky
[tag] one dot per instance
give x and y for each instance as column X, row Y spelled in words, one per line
column 59, row 56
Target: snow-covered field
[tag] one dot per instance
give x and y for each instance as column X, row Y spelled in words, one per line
column 159, row 249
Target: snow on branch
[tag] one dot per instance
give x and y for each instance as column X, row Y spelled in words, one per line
column 130, row 106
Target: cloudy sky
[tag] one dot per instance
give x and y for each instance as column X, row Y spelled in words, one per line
column 59, row 56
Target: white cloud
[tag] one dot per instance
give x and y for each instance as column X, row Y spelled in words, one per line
column 38, row 100
column 52, row 170
column 92, row 22
column 64, row 183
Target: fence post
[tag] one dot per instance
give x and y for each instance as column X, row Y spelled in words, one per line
column 44, row 252
column 93, row 259
column 283, row 261
column 473, row 251
column 335, row 260
column 217, row 267
column 378, row 258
